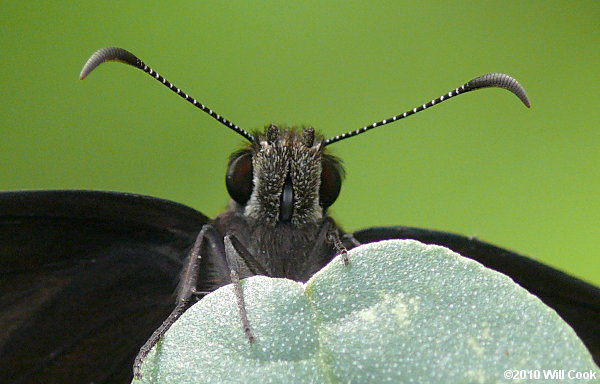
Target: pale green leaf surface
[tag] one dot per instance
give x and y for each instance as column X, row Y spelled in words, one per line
column 401, row 312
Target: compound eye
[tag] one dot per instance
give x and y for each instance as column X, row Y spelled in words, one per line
column 331, row 182
column 239, row 177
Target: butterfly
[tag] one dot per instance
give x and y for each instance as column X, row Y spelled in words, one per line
column 88, row 277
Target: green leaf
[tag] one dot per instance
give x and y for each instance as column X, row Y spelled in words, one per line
column 400, row 312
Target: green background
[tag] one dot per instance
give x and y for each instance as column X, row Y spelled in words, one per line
column 481, row 164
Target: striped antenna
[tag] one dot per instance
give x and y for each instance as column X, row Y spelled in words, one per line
column 123, row 56
column 498, row 80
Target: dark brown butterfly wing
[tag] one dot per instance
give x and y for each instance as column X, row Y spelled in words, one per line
column 85, row 278
column 576, row 301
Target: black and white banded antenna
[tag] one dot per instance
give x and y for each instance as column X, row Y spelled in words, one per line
column 498, row 80
column 126, row 57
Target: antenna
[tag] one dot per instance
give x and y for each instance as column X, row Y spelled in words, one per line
column 126, row 57
column 499, row 80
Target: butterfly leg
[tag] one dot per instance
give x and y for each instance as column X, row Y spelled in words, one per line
column 232, row 255
column 333, row 236
column 327, row 234
column 253, row 264
column 186, row 290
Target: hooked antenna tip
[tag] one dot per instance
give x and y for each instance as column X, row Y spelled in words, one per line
column 500, row 80
column 108, row 54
